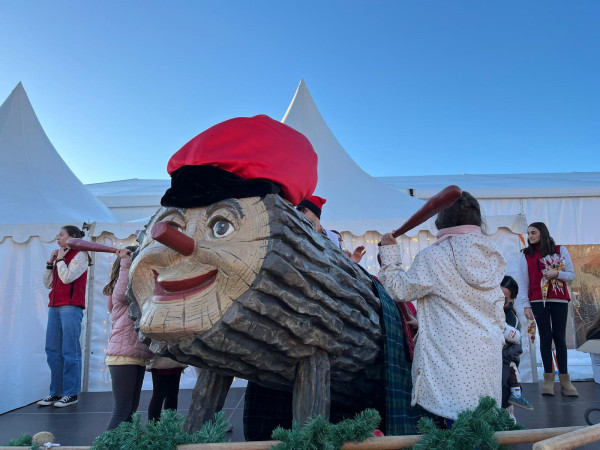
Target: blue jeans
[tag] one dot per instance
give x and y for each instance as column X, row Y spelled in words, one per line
column 63, row 349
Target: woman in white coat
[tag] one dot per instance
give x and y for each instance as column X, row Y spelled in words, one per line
column 456, row 282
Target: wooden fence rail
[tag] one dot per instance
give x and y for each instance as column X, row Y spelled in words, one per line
column 395, row 442
column 553, row 439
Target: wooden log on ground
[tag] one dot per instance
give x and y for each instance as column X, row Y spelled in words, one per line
column 574, row 439
column 395, row 442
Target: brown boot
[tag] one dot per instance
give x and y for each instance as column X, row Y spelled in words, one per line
column 548, row 387
column 566, row 387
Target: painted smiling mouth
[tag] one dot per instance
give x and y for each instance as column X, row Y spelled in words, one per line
column 179, row 289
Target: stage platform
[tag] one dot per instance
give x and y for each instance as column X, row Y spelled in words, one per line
column 81, row 423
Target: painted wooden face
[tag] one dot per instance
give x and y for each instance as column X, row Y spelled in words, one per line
column 181, row 296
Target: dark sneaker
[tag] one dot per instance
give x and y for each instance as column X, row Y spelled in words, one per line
column 50, row 400
column 67, row 400
column 520, row 402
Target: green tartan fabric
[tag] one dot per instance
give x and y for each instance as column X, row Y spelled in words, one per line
column 264, row 410
column 401, row 418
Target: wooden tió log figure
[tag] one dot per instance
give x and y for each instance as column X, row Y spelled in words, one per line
column 231, row 278
column 262, row 297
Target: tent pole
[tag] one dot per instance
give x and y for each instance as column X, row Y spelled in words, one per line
column 89, row 323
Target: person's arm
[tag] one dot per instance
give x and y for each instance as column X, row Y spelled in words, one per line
column 522, row 302
column 511, row 334
column 48, row 277
column 110, row 304
column 118, row 295
column 404, row 286
column 568, row 274
column 72, row 271
column 49, row 273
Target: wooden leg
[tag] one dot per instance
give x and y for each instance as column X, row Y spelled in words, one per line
column 311, row 388
column 208, row 398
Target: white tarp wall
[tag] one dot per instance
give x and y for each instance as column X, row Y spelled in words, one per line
column 571, row 220
column 24, row 374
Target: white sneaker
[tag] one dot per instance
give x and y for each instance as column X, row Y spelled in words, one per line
column 67, row 400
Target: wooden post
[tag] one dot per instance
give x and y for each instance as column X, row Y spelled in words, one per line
column 574, row 439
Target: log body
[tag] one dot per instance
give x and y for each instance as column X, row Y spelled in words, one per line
column 301, row 300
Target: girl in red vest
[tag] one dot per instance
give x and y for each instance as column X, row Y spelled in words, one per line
column 544, row 272
column 66, row 277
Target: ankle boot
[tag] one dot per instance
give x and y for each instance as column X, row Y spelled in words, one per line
column 566, row 387
column 548, row 388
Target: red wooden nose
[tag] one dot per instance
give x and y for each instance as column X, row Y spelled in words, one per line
column 175, row 240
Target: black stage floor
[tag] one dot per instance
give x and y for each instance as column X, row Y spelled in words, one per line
column 81, row 423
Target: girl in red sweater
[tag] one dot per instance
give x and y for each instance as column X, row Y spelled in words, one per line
column 544, row 272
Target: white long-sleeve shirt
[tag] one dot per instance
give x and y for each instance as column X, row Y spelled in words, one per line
column 67, row 273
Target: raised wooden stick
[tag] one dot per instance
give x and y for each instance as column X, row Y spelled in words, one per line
column 172, row 238
column 442, row 200
column 393, row 442
column 87, row 246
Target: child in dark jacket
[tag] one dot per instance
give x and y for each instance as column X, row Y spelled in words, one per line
column 511, row 386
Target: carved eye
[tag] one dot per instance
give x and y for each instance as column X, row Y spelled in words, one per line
column 222, row 228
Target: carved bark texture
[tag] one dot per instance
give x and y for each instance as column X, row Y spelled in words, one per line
column 308, row 299
column 208, row 397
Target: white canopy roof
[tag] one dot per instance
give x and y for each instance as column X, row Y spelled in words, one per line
column 356, row 202
column 514, row 185
column 37, row 186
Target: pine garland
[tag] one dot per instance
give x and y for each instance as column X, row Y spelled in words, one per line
column 472, row 429
column 25, row 440
column 320, row 434
column 164, row 434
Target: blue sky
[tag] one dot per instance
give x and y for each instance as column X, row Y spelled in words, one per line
column 407, row 87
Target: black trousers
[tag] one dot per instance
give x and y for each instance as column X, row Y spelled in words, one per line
column 551, row 320
column 165, row 389
column 126, row 388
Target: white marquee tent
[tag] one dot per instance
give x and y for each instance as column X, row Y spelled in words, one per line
column 39, row 195
column 38, row 208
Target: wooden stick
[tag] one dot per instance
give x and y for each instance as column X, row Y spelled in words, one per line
column 574, row 439
column 442, row 200
column 87, row 246
column 394, row 442
column 172, row 238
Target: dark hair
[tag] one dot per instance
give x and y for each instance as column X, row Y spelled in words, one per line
column 509, row 283
column 546, row 243
column 75, row 232
column 114, row 272
column 464, row 211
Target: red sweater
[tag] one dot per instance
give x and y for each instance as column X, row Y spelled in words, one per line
column 73, row 293
column 534, row 268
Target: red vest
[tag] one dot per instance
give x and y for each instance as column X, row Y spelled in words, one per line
column 534, row 267
column 73, row 293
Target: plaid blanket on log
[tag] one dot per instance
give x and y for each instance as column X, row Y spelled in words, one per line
column 401, row 418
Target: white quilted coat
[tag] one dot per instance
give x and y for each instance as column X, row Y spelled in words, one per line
column 458, row 356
